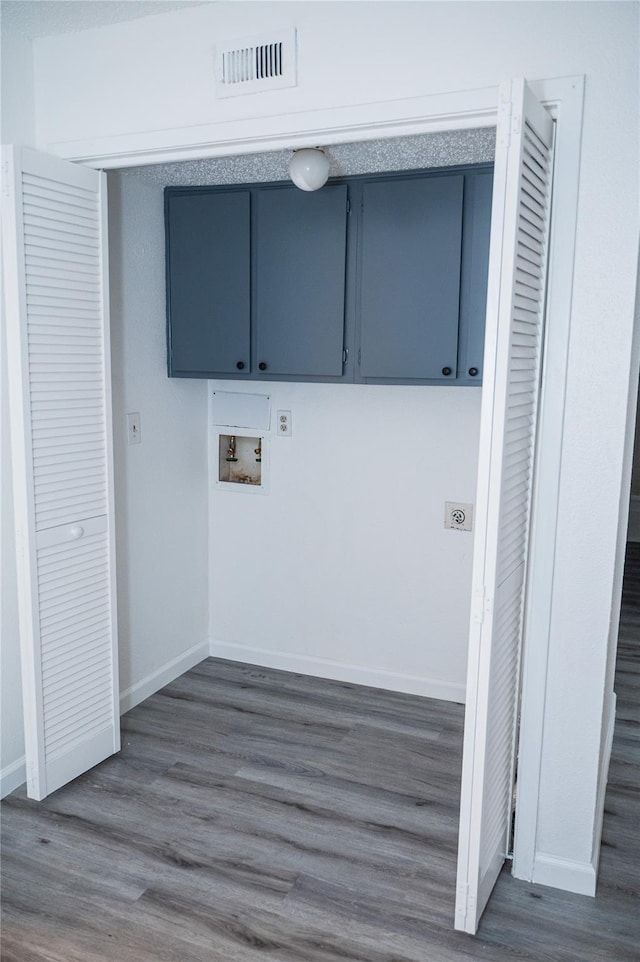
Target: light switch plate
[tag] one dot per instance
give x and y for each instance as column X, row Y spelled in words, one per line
column 134, row 435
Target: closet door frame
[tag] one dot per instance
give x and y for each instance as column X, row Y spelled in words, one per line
column 461, row 110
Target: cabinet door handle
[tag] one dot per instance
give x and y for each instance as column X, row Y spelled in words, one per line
column 446, row 371
column 262, row 366
column 240, row 365
column 473, row 371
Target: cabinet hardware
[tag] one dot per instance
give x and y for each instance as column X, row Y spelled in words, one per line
column 262, row 366
column 446, row 371
column 240, row 365
column 473, row 371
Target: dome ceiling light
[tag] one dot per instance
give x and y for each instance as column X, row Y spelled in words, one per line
column 309, row 168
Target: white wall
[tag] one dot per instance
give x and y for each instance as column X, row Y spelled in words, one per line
column 161, row 483
column 18, row 127
column 18, row 117
column 344, row 569
column 150, row 84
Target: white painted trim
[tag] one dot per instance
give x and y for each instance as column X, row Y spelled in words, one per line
column 12, row 776
column 168, row 672
column 563, row 873
column 340, row 671
column 459, row 110
column 19, row 407
column 418, row 115
column 633, row 531
column 603, row 776
column 544, row 511
column 108, row 443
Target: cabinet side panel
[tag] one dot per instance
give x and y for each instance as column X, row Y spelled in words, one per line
column 208, row 277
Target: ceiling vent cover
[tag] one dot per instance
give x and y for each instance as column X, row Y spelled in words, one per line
column 265, row 62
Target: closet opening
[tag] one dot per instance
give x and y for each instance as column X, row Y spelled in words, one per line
column 190, row 421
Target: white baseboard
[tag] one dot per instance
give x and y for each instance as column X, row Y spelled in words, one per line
column 12, row 776
column 633, row 530
column 563, row 873
column 162, row 676
column 339, row 671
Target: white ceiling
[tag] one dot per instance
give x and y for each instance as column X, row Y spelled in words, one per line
column 42, row 18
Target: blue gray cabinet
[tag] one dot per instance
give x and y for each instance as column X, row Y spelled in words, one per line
column 474, row 272
column 375, row 278
column 411, row 239
column 208, row 282
column 299, row 281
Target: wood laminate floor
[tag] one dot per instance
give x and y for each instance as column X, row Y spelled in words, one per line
column 255, row 814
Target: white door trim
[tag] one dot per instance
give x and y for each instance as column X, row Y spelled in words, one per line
column 544, row 516
column 461, row 110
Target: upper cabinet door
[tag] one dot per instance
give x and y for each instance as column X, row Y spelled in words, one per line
column 474, row 273
column 300, row 257
column 410, row 277
column 208, row 282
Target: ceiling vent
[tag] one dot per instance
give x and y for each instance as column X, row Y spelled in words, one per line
column 265, row 62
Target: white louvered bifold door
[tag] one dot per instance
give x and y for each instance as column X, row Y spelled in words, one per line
column 56, row 304
column 513, row 343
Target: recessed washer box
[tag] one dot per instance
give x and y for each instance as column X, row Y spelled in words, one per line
column 243, row 458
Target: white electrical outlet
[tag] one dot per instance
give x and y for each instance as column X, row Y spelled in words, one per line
column 283, row 424
column 458, row 516
column 133, row 428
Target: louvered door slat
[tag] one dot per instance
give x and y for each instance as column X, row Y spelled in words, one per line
column 76, row 193
column 513, row 339
column 62, row 440
column 56, row 270
column 63, row 737
column 61, row 662
column 55, row 473
column 41, row 237
column 56, row 590
column 60, row 644
column 58, row 259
